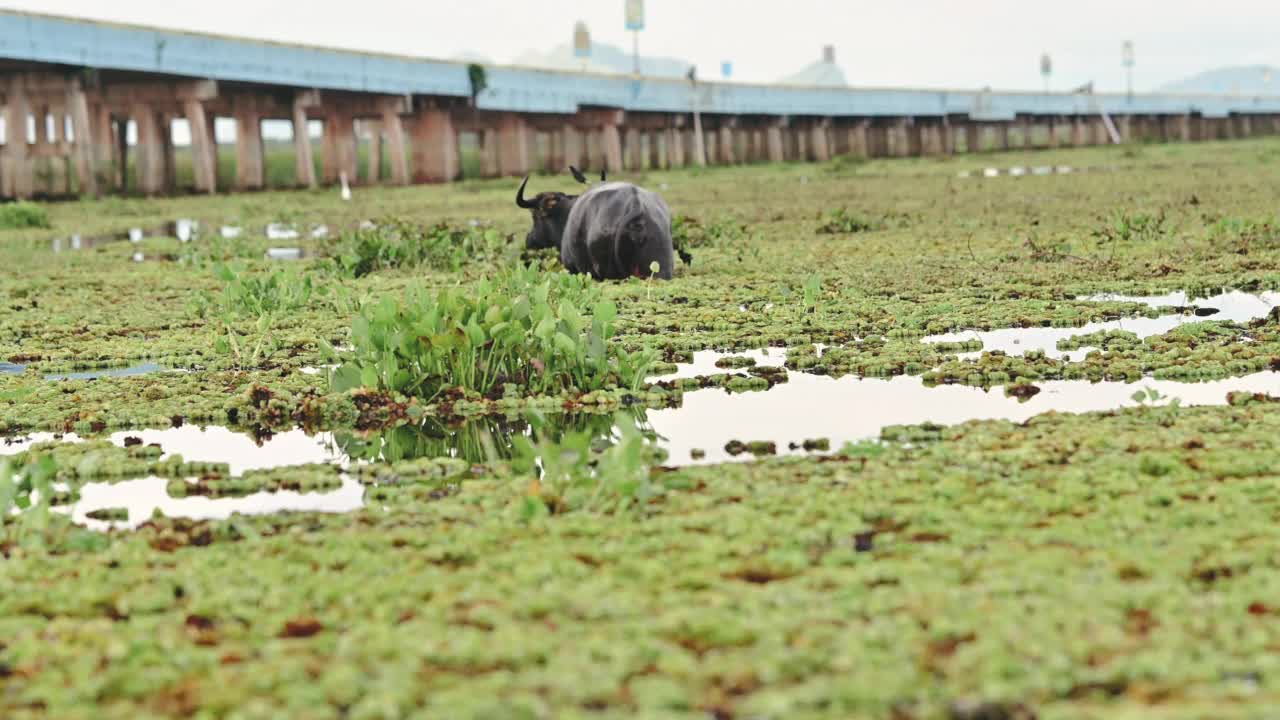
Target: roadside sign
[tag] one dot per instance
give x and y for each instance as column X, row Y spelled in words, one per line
column 635, row 14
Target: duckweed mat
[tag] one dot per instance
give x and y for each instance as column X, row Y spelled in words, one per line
column 1062, row 565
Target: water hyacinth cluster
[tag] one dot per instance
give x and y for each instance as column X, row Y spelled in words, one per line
column 541, row 333
column 399, row 243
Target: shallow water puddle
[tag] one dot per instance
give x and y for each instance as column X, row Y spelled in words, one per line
column 241, row 452
column 1233, row 306
column 140, row 369
column 704, row 363
column 184, row 229
column 142, row 497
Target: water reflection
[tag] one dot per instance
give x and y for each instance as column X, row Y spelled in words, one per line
column 483, row 439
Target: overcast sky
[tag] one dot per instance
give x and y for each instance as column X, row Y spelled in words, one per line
column 930, row 43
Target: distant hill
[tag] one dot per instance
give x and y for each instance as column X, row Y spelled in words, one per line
column 604, row 59
column 1248, row 81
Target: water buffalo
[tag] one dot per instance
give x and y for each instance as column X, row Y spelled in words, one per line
column 613, row 231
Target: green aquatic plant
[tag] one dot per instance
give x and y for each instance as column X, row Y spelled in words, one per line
column 400, row 243
column 23, row 215
column 542, row 333
column 842, row 221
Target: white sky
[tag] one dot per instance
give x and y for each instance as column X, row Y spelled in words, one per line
column 931, row 43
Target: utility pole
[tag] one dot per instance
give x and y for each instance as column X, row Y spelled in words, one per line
column 1046, row 69
column 699, row 142
column 635, row 23
column 1127, row 59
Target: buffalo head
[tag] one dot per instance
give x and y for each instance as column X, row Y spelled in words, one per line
column 550, row 212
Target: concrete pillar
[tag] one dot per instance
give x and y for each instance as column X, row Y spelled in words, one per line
column 611, row 146
column 819, row 145
column 1052, row 124
column 726, row 155
column 572, row 146
column 85, row 141
column 1002, row 136
column 374, row 130
column 675, row 148
column 489, row 165
column 122, row 152
column 857, row 134
column 435, row 148
column 43, row 160
column 1182, row 125
column 168, row 154
column 398, row 159
column 339, row 146
column 203, row 158
column 304, row 161
column 150, row 148
column 104, row 147
column 1244, row 125
column 631, row 149
column 973, row 137
column 250, row 153
column 1100, row 134
column 16, row 173
column 655, row 149
column 710, row 146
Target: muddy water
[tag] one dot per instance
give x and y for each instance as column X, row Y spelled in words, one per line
column 1233, row 306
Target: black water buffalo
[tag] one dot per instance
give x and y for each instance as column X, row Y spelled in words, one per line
column 613, row 231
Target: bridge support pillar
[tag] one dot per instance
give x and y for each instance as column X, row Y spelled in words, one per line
column 632, row 149
column 972, row 138
column 48, row 178
column 858, row 142
column 489, row 166
column 435, row 147
column 304, row 161
column 373, row 170
column 168, row 154
column 1002, row 136
column 675, row 148
column 819, row 145
column 611, row 146
column 773, row 138
column 85, row 141
column 654, row 138
column 393, row 128
column 250, row 161
column 339, row 146
column 150, row 149
column 203, row 159
column 16, row 174
column 727, row 154
column 574, row 150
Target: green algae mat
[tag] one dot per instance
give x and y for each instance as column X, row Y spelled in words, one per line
column 536, row 555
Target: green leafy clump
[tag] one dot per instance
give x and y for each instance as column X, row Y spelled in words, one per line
column 21, row 215
column 844, row 222
column 1124, row 228
column 399, row 243
column 542, row 333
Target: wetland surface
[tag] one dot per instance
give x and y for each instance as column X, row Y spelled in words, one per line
column 905, row 439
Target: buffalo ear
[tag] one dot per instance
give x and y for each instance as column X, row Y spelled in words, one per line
column 577, row 175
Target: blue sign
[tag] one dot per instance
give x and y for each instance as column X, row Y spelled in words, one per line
column 726, row 69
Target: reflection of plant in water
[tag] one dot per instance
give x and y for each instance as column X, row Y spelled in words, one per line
column 480, row 440
column 574, row 474
column 1150, row 399
column 546, row 333
column 26, row 486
